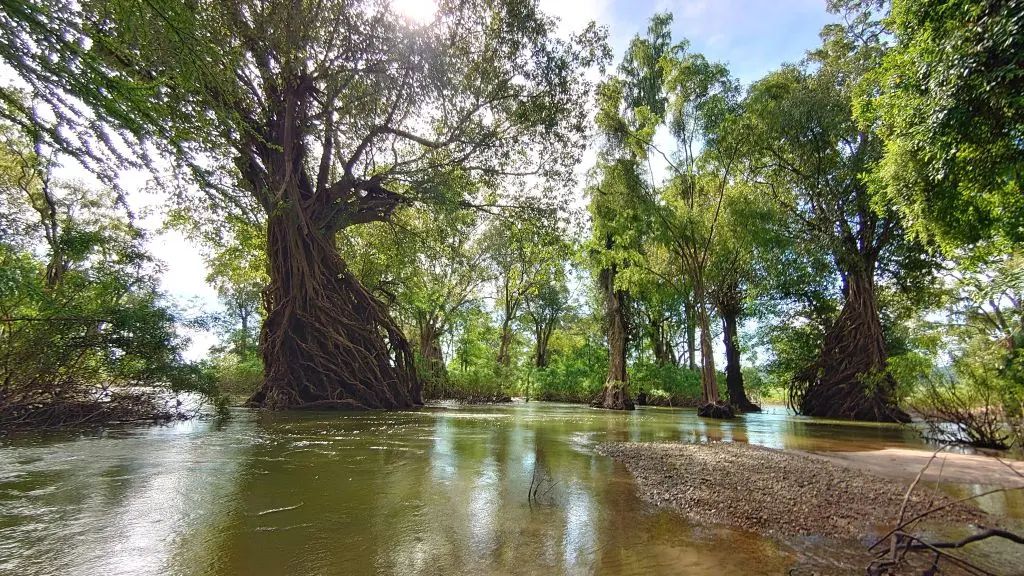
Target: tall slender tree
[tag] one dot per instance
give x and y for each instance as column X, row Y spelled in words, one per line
column 628, row 104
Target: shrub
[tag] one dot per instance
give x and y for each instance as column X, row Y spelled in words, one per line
column 85, row 335
column 681, row 386
column 474, row 384
column 572, row 376
column 238, row 377
column 964, row 407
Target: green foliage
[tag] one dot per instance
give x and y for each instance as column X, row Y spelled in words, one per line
column 576, row 374
column 795, row 345
column 85, row 335
column 948, row 101
column 238, row 377
column 678, row 385
column 477, row 384
column 431, row 154
column 760, row 389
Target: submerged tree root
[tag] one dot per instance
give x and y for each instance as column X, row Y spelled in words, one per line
column 718, row 410
column 107, row 408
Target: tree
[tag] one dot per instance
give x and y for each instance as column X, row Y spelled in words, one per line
column 526, row 251
column 628, row 105
column 659, row 305
column 234, row 249
column 85, row 334
column 696, row 100
column 946, row 99
column 428, row 264
column 813, row 160
column 545, row 307
column 613, row 250
column 703, row 101
column 990, row 311
column 731, row 272
column 331, row 116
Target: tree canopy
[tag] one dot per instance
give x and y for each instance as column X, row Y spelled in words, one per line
column 395, row 202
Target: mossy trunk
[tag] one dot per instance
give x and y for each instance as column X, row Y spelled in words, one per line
column 433, row 369
column 615, row 395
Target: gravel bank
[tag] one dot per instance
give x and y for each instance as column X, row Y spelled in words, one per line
column 774, row 491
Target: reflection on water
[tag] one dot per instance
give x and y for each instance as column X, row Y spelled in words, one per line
column 435, row 491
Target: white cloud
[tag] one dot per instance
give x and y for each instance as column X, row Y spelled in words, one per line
column 691, row 9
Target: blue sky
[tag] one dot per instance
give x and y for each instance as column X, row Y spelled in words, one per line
column 753, row 37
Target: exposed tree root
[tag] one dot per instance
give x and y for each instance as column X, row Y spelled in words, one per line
column 102, row 408
column 614, row 396
column 850, row 379
column 327, row 342
column 716, row 410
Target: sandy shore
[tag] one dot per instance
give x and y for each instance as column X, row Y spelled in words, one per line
column 904, row 463
column 789, row 492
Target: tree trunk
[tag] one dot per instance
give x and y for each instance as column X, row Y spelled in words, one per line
column 504, row 358
column 615, row 395
column 691, row 333
column 434, row 371
column 712, row 405
column 244, row 344
column 327, row 343
column 851, row 380
column 660, row 345
column 733, row 371
column 542, row 331
column 708, row 376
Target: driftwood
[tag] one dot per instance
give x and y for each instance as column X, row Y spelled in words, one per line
column 903, row 541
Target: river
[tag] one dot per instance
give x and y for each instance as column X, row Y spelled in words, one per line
column 443, row 490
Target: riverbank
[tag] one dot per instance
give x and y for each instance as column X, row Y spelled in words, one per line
column 904, row 464
column 775, row 492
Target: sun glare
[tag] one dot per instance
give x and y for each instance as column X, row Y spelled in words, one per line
column 416, row 11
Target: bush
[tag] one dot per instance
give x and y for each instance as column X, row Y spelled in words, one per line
column 679, row 386
column 474, row 384
column 576, row 375
column 86, row 337
column 761, row 389
column 964, row 406
column 238, row 377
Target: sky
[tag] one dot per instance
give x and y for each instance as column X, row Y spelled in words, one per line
column 752, row 37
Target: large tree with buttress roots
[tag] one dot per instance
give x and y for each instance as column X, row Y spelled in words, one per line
column 329, row 114
column 813, row 162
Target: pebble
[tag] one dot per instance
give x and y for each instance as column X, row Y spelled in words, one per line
column 775, row 492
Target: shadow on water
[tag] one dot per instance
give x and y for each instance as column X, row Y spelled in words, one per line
column 514, row 489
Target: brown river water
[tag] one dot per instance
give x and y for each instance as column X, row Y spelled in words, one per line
column 442, row 490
